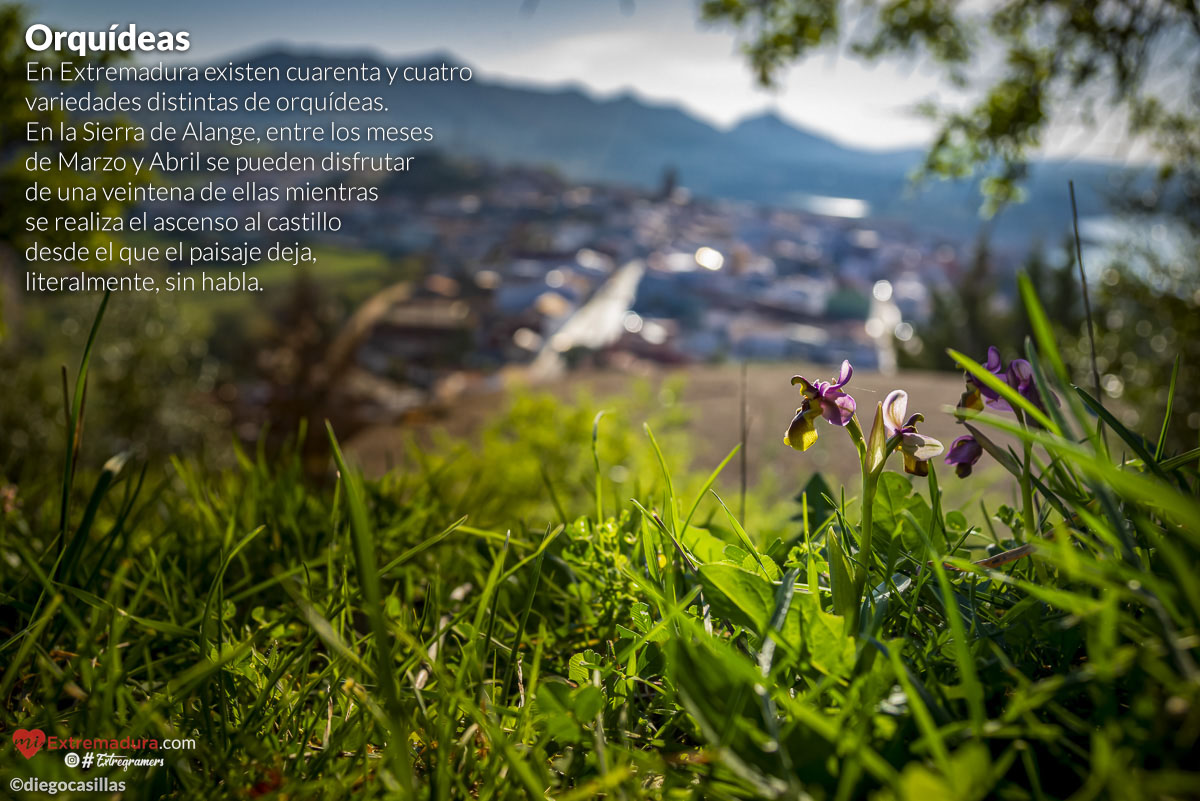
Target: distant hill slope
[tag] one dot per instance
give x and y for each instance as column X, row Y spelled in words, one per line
column 624, row 139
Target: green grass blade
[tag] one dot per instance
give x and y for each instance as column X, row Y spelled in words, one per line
column 363, row 540
column 1175, row 462
column 840, row 584
column 75, row 415
column 1043, row 331
column 925, row 722
column 558, row 507
column 1162, row 434
column 783, row 602
column 514, row 652
column 742, row 536
column 405, row 557
column 1134, row 441
column 712, row 478
column 972, row 687
column 596, row 464
column 66, row 566
column 673, row 511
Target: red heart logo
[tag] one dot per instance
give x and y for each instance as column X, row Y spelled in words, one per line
column 29, row 741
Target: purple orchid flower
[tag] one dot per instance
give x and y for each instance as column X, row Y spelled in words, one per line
column 966, row 450
column 964, row 453
column 918, row 449
column 1020, row 378
column 1018, row 375
column 821, row 399
column 978, row 394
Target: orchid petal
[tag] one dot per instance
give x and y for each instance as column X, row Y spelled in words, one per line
column 894, row 407
column 998, row 403
column 920, row 446
column 971, row 398
column 844, row 375
column 964, row 450
column 994, row 365
column 991, row 397
column 964, row 453
column 805, row 385
column 837, row 407
column 1020, row 375
column 801, row 434
column 915, row 466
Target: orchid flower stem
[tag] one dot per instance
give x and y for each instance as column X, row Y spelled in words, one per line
column 1031, row 523
column 1027, row 515
column 862, row 569
column 856, row 435
column 869, row 479
column 1027, row 494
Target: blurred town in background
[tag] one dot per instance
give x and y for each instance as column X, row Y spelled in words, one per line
column 520, row 267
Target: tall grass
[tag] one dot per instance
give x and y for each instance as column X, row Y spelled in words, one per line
column 635, row 641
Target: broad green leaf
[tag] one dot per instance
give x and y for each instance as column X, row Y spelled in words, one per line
column 892, row 495
column 738, row 596
column 825, row 642
column 840, row 583
column 579, row 669
column 704, row 545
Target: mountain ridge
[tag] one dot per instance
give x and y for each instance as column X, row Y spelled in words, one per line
column 763, row 158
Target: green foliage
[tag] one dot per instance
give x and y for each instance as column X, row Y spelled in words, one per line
column 1026, row 64
column 362, row 637
column 149, row 389
column 1143, row 324
column 532, row 460
column 978, row 310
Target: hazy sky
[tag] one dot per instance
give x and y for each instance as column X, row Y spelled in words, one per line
column 656, row 48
